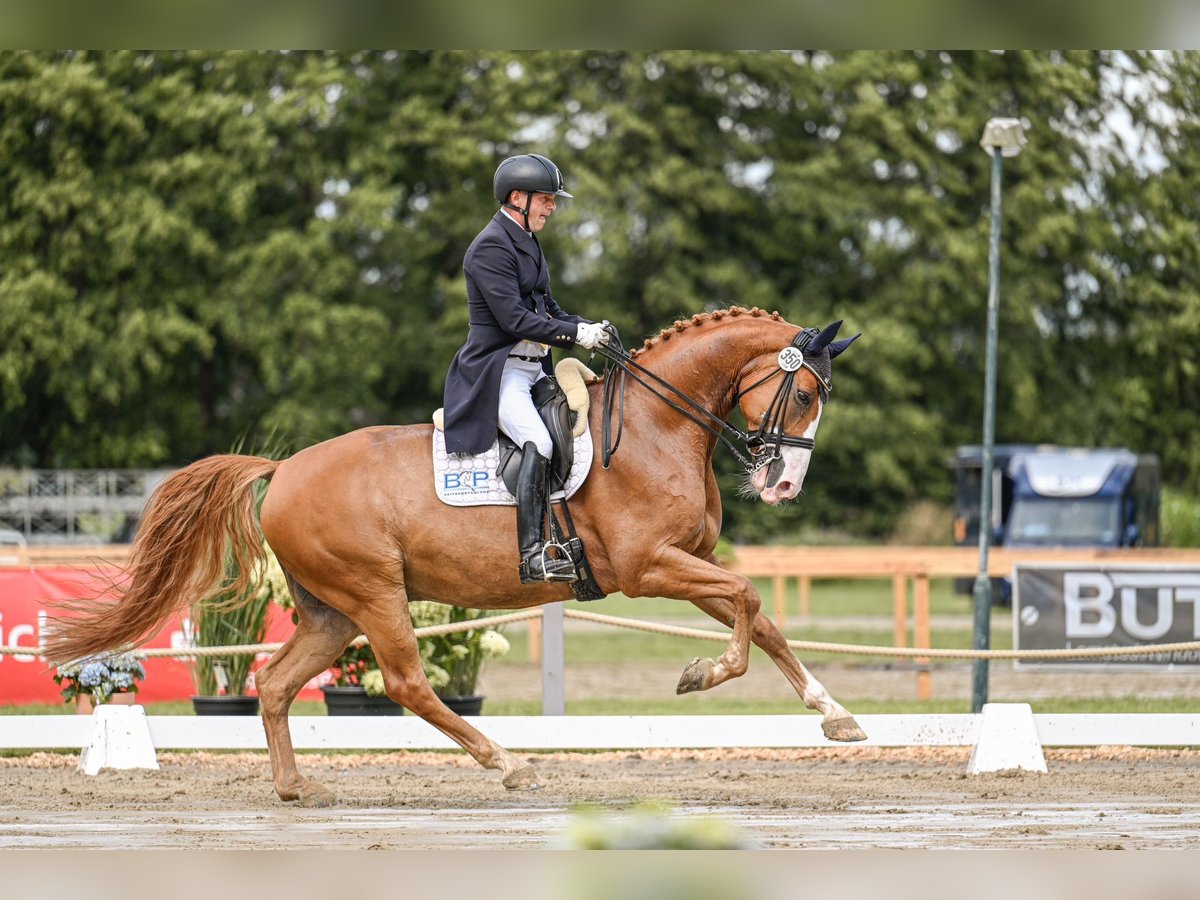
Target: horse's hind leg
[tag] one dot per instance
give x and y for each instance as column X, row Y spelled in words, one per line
column 397, row 652
column 837, row 723
column 321, row 634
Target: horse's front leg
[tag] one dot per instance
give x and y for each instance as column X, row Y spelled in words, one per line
column 675, row 573
column 836, row 723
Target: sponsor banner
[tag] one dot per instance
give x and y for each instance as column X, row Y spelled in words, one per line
column 1074, row 606
column 25, row 678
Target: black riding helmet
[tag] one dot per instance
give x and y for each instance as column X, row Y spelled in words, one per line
column 530, row 173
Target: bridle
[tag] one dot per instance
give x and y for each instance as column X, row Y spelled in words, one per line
column 769, row 436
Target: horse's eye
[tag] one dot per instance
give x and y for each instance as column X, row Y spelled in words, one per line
column 803, row 397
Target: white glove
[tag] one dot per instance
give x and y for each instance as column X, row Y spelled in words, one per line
column 589, row 335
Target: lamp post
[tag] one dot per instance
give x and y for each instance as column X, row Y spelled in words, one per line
column 1001, row 137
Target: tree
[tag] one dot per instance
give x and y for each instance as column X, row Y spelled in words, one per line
column 202, row 245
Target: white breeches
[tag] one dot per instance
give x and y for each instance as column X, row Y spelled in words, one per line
column 518, row 417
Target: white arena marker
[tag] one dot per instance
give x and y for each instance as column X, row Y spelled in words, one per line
column 1007, row 740
column 120, row 740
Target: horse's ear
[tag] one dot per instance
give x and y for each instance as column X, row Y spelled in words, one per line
column 821, row 341
column 838, row 346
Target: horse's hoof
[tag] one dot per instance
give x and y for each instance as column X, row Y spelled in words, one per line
column 316, row 796
column 843, row 729
column 696, row 677
column 522, row 779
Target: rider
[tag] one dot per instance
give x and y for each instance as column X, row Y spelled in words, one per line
column 513, row 319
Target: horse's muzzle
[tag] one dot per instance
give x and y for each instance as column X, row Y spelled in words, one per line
column 782, row 479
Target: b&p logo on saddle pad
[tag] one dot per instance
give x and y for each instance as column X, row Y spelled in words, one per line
column 464, row 480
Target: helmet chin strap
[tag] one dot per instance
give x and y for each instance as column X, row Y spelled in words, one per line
column 524, row 212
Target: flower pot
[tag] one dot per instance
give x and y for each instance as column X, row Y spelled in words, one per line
column 353, row 700
column 226, row 705
column 465, row 706
column 84, row 707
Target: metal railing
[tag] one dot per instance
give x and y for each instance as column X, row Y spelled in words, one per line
column 75, row 506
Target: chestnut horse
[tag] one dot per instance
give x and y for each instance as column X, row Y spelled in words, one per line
column 359, row 532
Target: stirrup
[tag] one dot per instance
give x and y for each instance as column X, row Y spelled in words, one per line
column 527, row 577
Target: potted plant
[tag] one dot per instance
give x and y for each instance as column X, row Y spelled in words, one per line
column 453, row 662
column 227, row 620
column 96, row 680
column 357, row 688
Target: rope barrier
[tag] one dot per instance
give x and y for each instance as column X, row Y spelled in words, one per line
column 920, row 652
column 679, row 631
column 240, row 649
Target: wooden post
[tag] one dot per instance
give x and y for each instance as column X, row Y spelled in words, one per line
column 922, row 635
column 805, row 595
column 900, row 608
column 780, row 585
column 535, row 640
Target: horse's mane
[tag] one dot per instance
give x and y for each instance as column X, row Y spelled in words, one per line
column 699, row 319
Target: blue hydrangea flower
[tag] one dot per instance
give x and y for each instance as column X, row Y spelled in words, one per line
column 93, row 674
column 122, row 681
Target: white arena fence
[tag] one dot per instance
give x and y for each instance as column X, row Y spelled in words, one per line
column 549, row 733
column 1003, row 736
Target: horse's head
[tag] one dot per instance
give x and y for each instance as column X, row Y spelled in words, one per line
column 782, row 394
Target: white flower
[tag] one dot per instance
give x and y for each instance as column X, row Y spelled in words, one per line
column 493, row 644
column 372, row 683
column 437, row 676
column 428, row 612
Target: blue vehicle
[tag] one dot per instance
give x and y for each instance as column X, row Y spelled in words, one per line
column 1050, row 496
column 1083, row 498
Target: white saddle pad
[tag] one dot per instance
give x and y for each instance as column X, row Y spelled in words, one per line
column 461, row 479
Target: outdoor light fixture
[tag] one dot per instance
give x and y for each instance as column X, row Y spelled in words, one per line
column 1006, row 135
column 1001, row 137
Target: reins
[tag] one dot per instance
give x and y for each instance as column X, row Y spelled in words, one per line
column 769, row 432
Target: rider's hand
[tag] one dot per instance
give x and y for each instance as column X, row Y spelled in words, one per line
column 589, row 335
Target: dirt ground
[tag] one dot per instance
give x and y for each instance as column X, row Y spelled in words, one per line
column 800, row 799
column 803, row 799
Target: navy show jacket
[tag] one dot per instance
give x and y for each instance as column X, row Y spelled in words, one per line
column 509, row 299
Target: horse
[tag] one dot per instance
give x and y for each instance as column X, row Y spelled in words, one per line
column 359, row 532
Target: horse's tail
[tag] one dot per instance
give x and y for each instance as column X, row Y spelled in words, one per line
column 193, row 519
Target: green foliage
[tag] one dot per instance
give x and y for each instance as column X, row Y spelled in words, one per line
column 201, row 244
column 1180, row 519
column 453, row 662
column 230, row 620
column 652, row 826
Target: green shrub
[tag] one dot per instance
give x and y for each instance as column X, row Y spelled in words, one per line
column 1180, row 519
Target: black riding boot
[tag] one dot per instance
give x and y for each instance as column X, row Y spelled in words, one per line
column 532, row 491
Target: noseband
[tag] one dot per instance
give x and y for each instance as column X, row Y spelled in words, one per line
column 770, row 429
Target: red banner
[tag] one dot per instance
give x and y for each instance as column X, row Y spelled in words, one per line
column 25, row 678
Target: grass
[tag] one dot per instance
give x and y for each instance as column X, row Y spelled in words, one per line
column 610, row 646
column 869, row 603
column 858, row 597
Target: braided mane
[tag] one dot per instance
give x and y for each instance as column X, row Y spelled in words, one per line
column 699, row 319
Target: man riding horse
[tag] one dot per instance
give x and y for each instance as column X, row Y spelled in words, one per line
column 514, row 319
column 359, row 531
